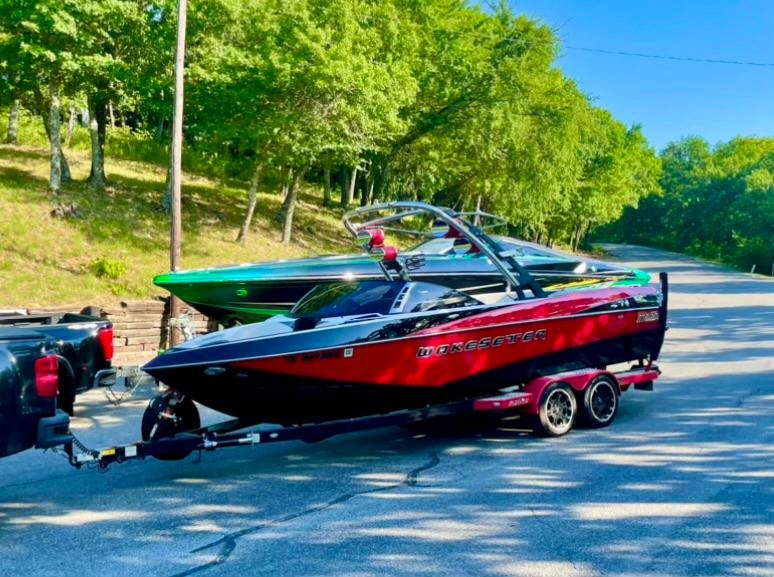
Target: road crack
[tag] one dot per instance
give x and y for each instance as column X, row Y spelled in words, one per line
column 228, row 542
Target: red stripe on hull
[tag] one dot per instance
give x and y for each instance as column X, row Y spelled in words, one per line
column 435, row 360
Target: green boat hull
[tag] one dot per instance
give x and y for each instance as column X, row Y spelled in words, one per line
column 254, row 292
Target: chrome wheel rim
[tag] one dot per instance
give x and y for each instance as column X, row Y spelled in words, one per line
column 603, row 401
column 559, row 410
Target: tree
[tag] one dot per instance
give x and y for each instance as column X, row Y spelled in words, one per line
column 119, row 50
column 715, row 203
column 38, row 50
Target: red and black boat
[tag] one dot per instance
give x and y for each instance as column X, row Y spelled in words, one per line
column 349, row 349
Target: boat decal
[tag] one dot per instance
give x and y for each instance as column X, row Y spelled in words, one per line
column 314, row 356
column 647, row 316
column 479, row 344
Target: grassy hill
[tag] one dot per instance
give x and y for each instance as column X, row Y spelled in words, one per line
column 119, row 239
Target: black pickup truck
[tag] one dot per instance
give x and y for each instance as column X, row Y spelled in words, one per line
column 84, row 344
column 44, row 361
column 29, row 382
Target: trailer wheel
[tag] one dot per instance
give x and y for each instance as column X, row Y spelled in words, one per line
column 558, row 411
column 166, row 416
column 600, row 402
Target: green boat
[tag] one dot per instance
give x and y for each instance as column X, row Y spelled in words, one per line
column 253, row 292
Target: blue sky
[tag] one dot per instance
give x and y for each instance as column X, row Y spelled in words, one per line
column 670, row 99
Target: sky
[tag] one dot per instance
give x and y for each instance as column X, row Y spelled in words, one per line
column 670, row 99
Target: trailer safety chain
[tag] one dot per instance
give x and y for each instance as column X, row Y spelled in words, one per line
column 77, row 442
column 92, row 460
column 116, row 399
column 133, row 376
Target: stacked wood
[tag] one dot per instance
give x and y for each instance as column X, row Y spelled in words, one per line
column 141, row 329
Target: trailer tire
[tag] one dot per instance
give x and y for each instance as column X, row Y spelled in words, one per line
column 155, row 427
column 557, row 412
column 600, row 402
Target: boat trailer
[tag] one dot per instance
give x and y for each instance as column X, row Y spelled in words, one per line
column 554, row 402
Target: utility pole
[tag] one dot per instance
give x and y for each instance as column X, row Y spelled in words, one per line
column 175, row 174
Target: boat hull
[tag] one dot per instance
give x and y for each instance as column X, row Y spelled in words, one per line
column 277, row 398
column 386, row 364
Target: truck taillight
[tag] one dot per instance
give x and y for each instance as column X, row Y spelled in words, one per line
column 47, row 376
column 105, row 338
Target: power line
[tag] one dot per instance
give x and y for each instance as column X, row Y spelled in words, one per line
column 668, row 57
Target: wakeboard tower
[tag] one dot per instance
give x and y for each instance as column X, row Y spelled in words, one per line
column 254, row 292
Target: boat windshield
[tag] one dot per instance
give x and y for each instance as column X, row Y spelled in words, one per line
column 348, row 298
column 377, row 297
column 446, row 246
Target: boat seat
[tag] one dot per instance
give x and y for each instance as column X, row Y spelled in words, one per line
column 493, row 297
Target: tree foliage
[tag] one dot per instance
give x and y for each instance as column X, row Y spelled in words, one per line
column 716, row 202
column 440, row 100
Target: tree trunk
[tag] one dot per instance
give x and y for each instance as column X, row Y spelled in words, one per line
column 160, row 129
column 579, row 236
column 363, row 187
column 477, row 217
column 55, row 175
column 287, row 180
column 70, row 125
column 583, row 230
column 351, row 190
column 112, row 116
column 45, row 114
column 286, row 185
column 382, row 174
column 97, row 177
column 64, row 168
column 290, row 207
column 327, row 200
column 251, row 202
column 13, row 123
column 166, row 203
column 344, row 184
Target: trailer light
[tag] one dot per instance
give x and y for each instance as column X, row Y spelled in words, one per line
column 105, row 339
column 47, row 376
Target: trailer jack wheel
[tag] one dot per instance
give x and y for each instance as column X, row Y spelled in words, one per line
column 166, row 416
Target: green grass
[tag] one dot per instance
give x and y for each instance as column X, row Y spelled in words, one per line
column 119, row 240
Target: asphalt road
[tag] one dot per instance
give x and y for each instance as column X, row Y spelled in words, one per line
column 681, row 484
